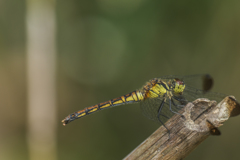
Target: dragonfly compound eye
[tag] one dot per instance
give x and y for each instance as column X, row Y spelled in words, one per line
column 178, row 86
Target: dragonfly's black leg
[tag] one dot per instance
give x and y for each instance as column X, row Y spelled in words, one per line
column 158, row 116
column 164, row 116
column 181, row 100
column 178, row 106
column 170, row 106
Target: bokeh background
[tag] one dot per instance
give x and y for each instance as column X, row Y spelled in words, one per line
column 102, row 49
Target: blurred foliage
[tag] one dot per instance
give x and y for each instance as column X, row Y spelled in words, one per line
column 108, row 48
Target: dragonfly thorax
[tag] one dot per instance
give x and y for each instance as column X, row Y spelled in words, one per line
column 178, row 86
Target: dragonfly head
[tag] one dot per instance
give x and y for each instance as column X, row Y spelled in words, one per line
column 178, row 86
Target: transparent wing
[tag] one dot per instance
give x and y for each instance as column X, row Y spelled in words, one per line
column 150, row 108
column 197, row 86
column 203, row 82
column 191, row 94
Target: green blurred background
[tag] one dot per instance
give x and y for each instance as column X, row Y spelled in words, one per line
column 107, row 48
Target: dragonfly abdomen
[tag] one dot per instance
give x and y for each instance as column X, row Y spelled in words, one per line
column 132, row 97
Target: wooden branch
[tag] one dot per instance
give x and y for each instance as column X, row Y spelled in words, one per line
column 202, row 118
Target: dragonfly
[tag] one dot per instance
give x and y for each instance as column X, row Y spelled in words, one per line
column 160, row 98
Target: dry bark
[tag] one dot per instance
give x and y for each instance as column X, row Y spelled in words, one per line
column 202, row 118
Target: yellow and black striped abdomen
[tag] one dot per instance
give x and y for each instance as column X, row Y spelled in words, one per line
column 132, row 97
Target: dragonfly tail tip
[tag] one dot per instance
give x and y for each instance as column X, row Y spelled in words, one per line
column 64, row 122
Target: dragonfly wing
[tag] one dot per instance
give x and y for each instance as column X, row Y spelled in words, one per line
column 191, row 94
column 150, row 108
column 203, row 82
column 198, row 86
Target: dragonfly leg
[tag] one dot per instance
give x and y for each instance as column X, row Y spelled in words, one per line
column 158, row 116
column 164, row 116
column 183, row 101
column 178, row 106
column 170, row 106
